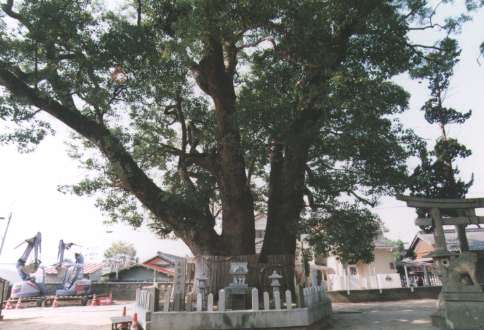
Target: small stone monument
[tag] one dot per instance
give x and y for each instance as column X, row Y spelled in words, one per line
column 238, row 290
column 239, row 271
column 179, row 287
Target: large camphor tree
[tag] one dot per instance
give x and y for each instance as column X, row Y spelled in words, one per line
column 192, row 111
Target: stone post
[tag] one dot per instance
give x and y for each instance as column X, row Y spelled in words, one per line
column 255, row 299
column 221, row 300
column 288, row 299
column 299, row 296
column 179, row 287
column 266, row 301
column 199, row 302
column 210, row 303
column 407, row 280
column 202, row 288
column 166, row 305
column 277, row 299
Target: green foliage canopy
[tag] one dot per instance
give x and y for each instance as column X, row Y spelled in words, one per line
column 184, row 110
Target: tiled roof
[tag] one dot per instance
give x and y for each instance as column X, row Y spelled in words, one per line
column 475, row 236
column 158, row 269
column 89, row 268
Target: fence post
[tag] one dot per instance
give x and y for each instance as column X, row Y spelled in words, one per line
column 266, row 301
column 288, row 299
column 221, row 300
column 277, row 299
column 299, row 296
column 189, row 304
column 210, row 302
column 255, row 299
column 199, row 302
column 166, row 305
column 378, row 285
column 348, row 283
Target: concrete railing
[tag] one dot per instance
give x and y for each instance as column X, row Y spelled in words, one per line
column 272, row 311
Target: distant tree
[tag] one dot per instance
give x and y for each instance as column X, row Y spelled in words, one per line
column 437, row 176
column 399, row 250
column 121, row 249
column 347, row 231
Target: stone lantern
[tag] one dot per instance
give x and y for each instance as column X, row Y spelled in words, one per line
column 275, row 284
column 202, row 280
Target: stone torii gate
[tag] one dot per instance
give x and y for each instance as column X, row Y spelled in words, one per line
column 461, row 302
column 464, row 207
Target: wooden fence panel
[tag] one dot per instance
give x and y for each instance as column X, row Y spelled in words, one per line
column 217, row 270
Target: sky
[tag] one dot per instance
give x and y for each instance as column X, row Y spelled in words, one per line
column 28, row 182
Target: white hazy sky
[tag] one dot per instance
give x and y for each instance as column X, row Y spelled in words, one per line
column 28, row 182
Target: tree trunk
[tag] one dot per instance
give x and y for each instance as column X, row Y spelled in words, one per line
column 238, row 232
column 286, row 191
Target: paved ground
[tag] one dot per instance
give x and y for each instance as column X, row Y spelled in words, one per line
column 62, row 318
column 401, row 315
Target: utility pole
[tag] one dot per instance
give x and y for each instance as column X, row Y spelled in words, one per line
column 5, row 233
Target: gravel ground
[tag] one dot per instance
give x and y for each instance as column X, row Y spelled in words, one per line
column 400, row 315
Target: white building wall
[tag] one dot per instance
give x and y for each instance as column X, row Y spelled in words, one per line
column 376, row 275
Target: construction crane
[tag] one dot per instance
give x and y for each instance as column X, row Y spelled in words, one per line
column 73, row 282
column 28, row 287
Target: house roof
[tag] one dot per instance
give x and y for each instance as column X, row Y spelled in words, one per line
column 157, row 269
column 475, row 236
column 162, row 262
column 167, row 257
column 384, row 244
column 155, row 266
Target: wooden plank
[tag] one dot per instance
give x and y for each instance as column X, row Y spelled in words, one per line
column 442, row 203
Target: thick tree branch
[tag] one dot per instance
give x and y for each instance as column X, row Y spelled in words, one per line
column 8, row 9
column 169, row 208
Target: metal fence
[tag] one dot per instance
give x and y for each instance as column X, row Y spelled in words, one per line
column 415, row 280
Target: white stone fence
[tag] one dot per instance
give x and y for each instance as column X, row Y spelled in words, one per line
column 372, row 282
column 311, row 307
